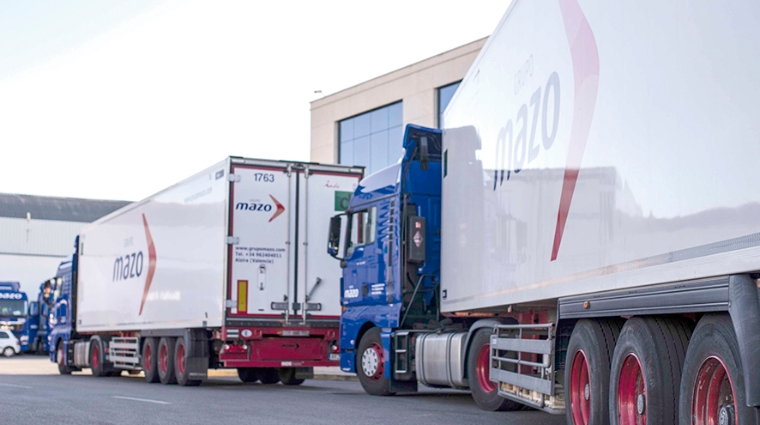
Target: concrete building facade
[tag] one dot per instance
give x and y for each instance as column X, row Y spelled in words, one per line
column 353, row 126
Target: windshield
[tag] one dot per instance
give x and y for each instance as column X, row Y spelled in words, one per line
column 12, row 308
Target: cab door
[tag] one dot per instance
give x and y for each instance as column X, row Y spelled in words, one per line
column 365, row 272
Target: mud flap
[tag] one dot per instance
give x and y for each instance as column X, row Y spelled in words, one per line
column 198, row 354
column 744, row 308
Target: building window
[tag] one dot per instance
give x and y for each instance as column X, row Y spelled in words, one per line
column 372, row 139
column 445, row 94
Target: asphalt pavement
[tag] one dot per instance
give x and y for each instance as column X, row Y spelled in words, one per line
column 30, row 393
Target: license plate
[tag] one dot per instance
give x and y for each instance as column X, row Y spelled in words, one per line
column 334, row 357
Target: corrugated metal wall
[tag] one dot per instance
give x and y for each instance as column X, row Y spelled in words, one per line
column 37, row 237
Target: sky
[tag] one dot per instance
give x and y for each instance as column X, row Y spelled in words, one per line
column 120, row 99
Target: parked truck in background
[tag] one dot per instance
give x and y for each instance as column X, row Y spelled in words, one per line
column 225, row 269
column 13, row 308
column 35, row 330
column 583, row 237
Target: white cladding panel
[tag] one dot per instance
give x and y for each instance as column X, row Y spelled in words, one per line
column 127, row 283
column 279, row 220
column 326, row 194
column 635, row 121
column 262, row 220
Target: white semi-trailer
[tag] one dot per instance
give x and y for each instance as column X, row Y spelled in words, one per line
column 583, row 236
column 224, row 269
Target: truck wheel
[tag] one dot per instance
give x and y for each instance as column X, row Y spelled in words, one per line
column 181, row 371
column 371, row 366
column 149, row 360
column 712, row 385
column 9, row 352
column 248, row 375
column 268, row 375
column 484, row 391
column 587, row 371
column 646, row 371
column 166, row 361
column 288, row 376
column 59, row 359
column 96, row 359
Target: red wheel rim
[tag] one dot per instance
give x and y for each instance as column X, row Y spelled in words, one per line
column 163, row 355
column 713, row 392
column 580, row 389
column 632, row 392
column 180, row 359
column 146, row 358
column 94, row 358
column 482, row 368
column 373, row 365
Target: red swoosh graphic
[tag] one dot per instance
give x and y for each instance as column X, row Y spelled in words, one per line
column 585, row 59
column 151, row 263
column 280, row 209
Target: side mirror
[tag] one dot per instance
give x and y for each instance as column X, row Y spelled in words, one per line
column 337, row 224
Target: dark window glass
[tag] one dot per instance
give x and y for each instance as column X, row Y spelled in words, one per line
column 361, row 151
column 347, row 153
column 361, row 125
column 346, row 130
column 395, row 148
column 372, row 139
column 379, row 150
column 445, row 94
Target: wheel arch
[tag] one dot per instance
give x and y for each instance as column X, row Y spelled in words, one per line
column 366, row 326
column 480, row 324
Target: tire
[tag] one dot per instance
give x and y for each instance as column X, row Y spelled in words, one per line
column 288, row 376
column 648, row 359
column 484, row 391
column 713, row 363
column 9, row 352
column 268, row 375
column 370, row 366
column 249, row 375
column 96, row 359
column 587, row 371
column 149, row 360
column 181, row 371
column 63, row 369
column 165, row 361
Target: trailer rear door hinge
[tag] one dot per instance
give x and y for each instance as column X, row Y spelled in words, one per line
column 233, row 240
column 233, row 177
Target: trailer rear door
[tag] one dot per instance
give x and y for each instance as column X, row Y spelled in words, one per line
column 261, row 224
column 323, row 192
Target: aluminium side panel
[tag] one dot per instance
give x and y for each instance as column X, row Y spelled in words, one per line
column 157, row 263
column 602, row 145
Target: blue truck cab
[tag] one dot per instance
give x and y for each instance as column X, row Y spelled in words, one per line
column 388, row 243
column 13, row 309
column 61, row 328
column 36, row 326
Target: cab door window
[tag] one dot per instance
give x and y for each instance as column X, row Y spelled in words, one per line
column 362, row 229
